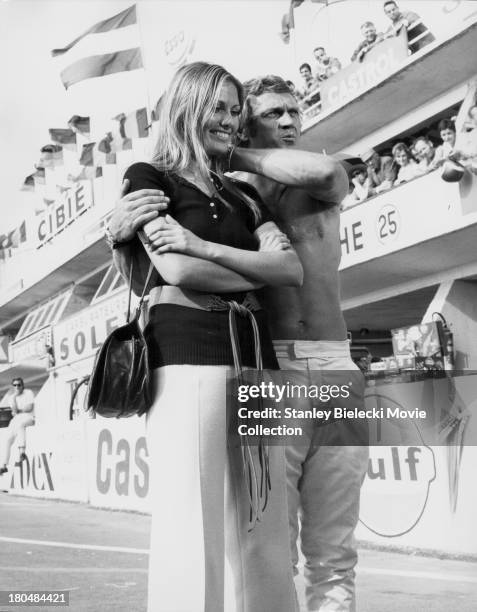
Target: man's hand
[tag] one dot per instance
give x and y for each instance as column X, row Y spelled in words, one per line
column 135, row 209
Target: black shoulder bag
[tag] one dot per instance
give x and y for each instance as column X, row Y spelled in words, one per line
column 120, row 382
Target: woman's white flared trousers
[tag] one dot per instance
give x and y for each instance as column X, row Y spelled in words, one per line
column 200, row 508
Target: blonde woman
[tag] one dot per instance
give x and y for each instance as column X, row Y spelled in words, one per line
column 406, row 164
column 213, row 248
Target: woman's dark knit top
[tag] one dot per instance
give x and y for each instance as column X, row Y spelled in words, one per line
column 181, row 335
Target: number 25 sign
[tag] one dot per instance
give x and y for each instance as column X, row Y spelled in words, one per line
column 388, row 224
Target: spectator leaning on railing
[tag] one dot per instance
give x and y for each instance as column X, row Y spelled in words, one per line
column 310, row 83
column 360, row 188
column 464, row 152
column 471, row 123
column 371, row 39
column 447, row 133
column 310, row 93
column 417, row 33
column 325, row 65
column 381, row 170
column 405, row 162
column 425, row 153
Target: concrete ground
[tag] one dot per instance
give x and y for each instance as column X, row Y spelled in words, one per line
column 100, row 557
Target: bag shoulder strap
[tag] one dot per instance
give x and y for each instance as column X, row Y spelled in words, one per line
column 143, row 294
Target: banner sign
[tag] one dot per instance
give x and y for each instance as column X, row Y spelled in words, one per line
column 32, row 347
column 4, row 343
column 411, row 213
column 70, row 205
column 358, row 77
column 119, row 470
column 81, row 335
column 55, row 464
column 409, row 490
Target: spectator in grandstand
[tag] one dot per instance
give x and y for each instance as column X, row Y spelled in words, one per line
column 292, row 87
column 471, row 122
column 22, row 403
column 417, row 33
column 405, row 162
column 334, row 67
column 371, row 39
column 310, row 83
column 447, row 133
column 381, row 170
column 425, row 153
column 325, row 65
column 310, row 94
column 360, row 188
column 464, row 151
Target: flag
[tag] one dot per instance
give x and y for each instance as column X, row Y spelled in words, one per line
column 80, row 125
column 13, row 238
column 156, row 110
column 51, row 156
column 39, row 176
column 121, row 142
column 64, row 137
column 86, row 158
column 136, row 124
column 87, row 172
column 89, row 56
column 288, row 19
column 103, row 153
column 28, row 183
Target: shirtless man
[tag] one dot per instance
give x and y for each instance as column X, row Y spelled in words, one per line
column 303, row 190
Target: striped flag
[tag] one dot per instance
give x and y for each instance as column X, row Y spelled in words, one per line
column 66, row 138
column 120, row 142
column 103, row 152
column 156, row 110
column 136, row 124
column 79, row 125
column 86, row 173
column 51, row 156
column 108, row 47
column 86, row 158
column 39, row 176
column 13, row 238
column 28, row 183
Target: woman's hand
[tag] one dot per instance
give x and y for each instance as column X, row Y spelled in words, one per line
column 273, row 240
column 169, row 236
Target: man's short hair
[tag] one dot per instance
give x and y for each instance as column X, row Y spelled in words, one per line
column 18, row 379
column 318, row 49
column 269, row 83
column 368, row 24
column 389, row 2
column 423, row 138
column 305, row 65
column 446, row 124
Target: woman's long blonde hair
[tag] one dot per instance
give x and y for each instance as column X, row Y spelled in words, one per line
column 185, row 108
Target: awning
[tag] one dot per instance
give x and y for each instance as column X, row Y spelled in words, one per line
column 31, row 371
